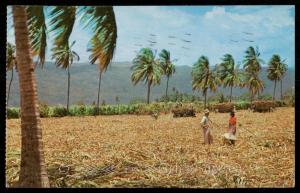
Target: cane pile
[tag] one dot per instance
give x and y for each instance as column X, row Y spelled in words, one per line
column 222, row 107
column 263, row 106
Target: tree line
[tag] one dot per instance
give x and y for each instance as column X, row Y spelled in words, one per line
column 206, row 78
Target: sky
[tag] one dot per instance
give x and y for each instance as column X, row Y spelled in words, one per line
column 212, row 31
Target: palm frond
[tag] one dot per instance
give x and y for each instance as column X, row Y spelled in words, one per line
column 62, row 19
column 101, row 20
column 37, row 32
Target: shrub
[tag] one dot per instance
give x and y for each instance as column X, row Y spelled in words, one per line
column 91, row 110
column 242, row 105
column 280, row 104
column 137, row 100
column 13, row 113
column 60, row 111
column 44, row 110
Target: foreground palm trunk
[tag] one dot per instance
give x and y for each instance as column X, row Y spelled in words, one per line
column 33, row 171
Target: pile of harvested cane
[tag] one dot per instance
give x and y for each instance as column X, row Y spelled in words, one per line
column 263, row 106
column 222, row 107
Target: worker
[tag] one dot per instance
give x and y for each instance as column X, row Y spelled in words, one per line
column 208, row 139
column 232, row 123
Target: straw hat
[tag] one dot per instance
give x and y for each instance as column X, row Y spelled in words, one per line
column 206, row 111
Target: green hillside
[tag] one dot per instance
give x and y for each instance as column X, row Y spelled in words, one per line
column 52, row 84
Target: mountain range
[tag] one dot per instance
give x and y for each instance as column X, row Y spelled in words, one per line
column 116, row 81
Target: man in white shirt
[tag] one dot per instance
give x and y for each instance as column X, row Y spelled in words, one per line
column 208, row 139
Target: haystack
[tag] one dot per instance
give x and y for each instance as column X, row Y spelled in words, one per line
column 223, row 107
column 263, row 106
column 183, row 112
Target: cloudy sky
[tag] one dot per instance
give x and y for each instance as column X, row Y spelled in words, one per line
column 212, row 31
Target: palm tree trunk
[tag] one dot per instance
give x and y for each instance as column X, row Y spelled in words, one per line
column 274, row 90
column 68, row 88
column 230, row 93
column 8, row 91
column 167, row 87
column 33, row 171
column 148, row 92
column 281, row 96
column 98, row 99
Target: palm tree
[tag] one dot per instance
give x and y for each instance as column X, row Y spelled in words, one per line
column 167, row 66
column 230, row 73
column 252, row 66
column 11, row 63
column 283, row 70
column 33, row 172
column 101, row 22
column 203, row 78
column 147, row 69
column 64, row 57
column 252, row 62
column 255, row 85
column 274, row 71
column 104, row 44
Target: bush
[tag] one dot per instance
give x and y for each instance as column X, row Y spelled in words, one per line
column 137, row 100
column 13, row 113
column 280, row 104
column 60, row 111
column 44, row 110
column 91, row 111
column 242, row 105
column 265, row 97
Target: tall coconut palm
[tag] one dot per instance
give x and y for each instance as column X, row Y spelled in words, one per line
column 64, row 57
column 283, row 70
column 167, row 66
column 33, row 172
column 11, row 64
column 203, row 78
column 230, row 74
column 147, row 69
column 252, row 61
column 254, row 84
column 104, row 44
column 274, row 71
column 252, row 66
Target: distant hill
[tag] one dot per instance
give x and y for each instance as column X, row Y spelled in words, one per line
column 52, row 84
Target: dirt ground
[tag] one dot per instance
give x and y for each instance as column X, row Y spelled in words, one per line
column 139, row 151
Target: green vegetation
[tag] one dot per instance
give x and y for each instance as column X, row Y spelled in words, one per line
column 167, row 66
column 134, row 108
column 230, row 74
column 64, row 57
column 252, row 67
column 11, row 64
column 146, row 68
column 203, row 78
